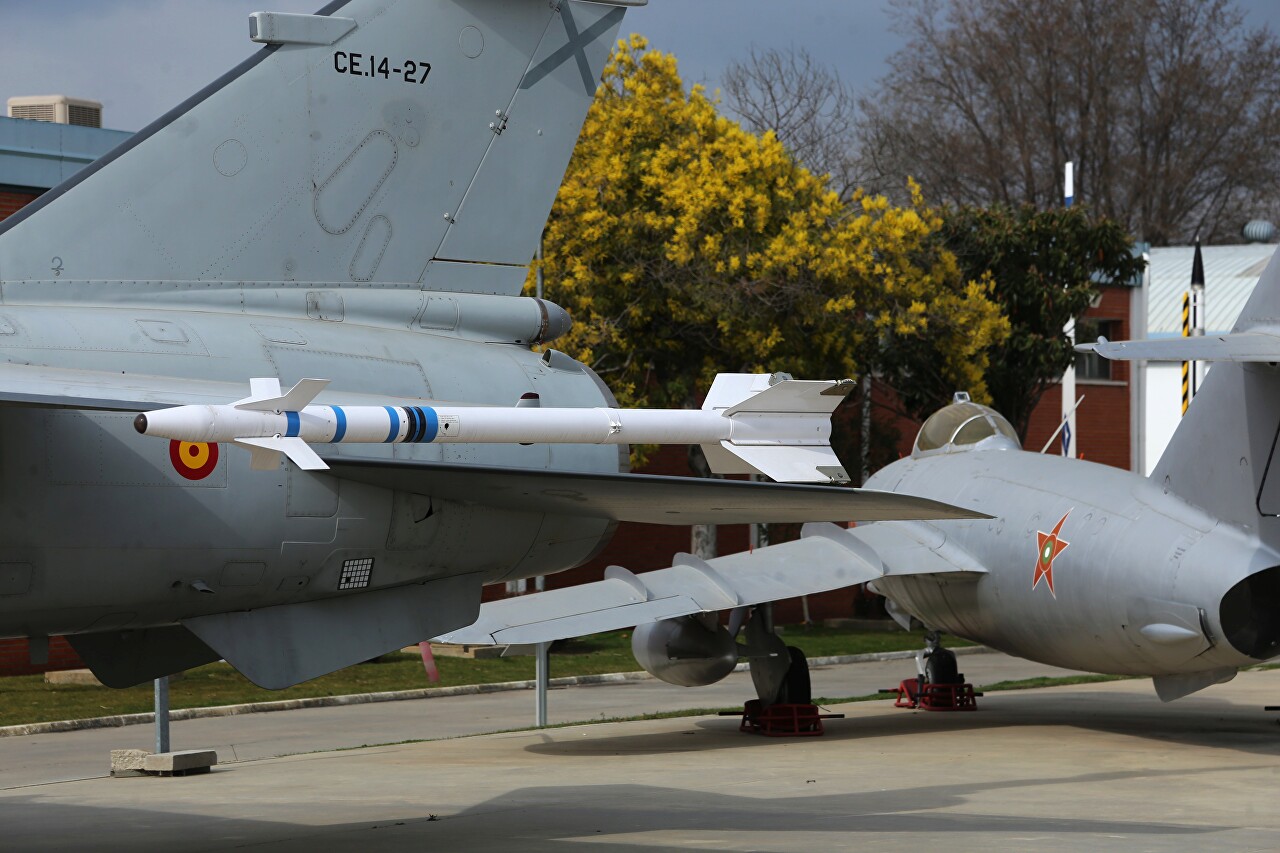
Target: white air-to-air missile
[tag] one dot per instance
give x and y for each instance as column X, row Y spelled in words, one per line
column 750, row 423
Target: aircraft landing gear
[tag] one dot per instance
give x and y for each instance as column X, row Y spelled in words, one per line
column 784, row 704
column 939, row 685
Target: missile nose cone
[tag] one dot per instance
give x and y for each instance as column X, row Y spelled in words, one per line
column 140, row 424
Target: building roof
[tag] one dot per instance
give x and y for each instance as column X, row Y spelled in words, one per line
column 41, row 154
column 1230, row 273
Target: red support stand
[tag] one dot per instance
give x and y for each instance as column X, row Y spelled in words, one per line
column 783, row 720
column 935, row 697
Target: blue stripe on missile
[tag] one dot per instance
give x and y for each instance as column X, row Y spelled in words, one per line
column 432, row 424
column 341, row 417
column 294, row 424
column 395, row 424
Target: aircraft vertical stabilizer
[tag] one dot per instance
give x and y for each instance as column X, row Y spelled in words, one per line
column 356, row 146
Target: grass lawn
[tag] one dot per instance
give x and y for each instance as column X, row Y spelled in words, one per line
column 27, row 699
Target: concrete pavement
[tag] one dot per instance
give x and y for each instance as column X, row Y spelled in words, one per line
column 1099, row 766
column 38, row 759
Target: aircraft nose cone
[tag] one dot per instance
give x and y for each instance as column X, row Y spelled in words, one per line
column 140, row 424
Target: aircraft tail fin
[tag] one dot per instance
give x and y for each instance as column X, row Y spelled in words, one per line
column 1224, row 456
column 360, row 145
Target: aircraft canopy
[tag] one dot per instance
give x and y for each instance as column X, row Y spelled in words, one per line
column 961, row 426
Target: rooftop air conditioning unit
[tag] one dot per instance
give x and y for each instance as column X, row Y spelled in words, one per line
column 58, row 109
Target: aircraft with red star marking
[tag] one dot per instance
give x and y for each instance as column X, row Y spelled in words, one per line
column 1175, row 576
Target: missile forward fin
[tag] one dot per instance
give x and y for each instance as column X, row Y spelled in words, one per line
column 266, row 453
column 265, row 395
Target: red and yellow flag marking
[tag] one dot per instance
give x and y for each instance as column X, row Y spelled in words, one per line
column 193, row 460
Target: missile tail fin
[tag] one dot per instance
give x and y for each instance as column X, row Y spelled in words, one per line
column 781, row 463
column 759, row 404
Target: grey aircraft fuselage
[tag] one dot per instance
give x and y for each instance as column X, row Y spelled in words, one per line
column 1136, row 587
column 286, row 221
column 357, row 203
column 101, row 530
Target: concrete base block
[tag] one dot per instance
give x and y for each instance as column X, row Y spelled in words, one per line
column 184, row 763
column 450, row 650
column 128, row 762
column 73, row 676
column 86, row 677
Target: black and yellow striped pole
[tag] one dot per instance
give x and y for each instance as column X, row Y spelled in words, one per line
column 1186, row 365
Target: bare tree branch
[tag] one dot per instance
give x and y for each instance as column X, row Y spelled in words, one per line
column 805, row 104
column 1168, row 107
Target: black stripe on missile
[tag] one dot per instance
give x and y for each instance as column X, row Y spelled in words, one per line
column 415, row 425
column 420, row 419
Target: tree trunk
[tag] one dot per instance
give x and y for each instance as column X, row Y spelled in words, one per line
column 702, row 537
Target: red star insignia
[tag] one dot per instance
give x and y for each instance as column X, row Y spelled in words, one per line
column 1050, row 547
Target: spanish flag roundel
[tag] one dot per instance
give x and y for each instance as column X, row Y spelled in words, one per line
column 193, row 460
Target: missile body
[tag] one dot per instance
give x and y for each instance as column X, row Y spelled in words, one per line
column 797, row 418
column 480, row 425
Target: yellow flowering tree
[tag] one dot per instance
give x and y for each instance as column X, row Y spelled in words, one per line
column 684, row 246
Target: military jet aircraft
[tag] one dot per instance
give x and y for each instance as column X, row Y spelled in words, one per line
column 1174, row 576
column 351, row 212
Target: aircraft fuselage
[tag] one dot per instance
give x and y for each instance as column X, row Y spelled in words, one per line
column 103, row 528
column 1087, row 567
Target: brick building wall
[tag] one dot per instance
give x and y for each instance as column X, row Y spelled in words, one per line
column 1102, row 421
column 12, row 200
column 15, row 657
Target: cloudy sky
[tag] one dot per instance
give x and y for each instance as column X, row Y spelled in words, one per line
column 141, row 57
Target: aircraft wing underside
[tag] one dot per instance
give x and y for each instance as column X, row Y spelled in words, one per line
column 643, row 498
column 826, row 557
column 1255, row 345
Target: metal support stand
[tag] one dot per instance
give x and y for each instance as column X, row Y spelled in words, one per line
column 543, row 680
column 162, row 714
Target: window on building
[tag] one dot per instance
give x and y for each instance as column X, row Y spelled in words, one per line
column 1091, row 365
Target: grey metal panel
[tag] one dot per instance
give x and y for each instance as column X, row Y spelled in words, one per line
column 906, row 549
column 638, row 497
column 126, row 658
column 277, row 647
column 507, row 204
column 475, row 278
column 395, row 378
column 99, row 459
column 94, row 389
